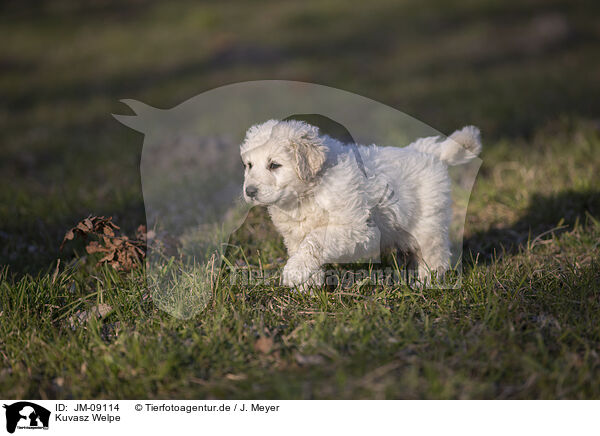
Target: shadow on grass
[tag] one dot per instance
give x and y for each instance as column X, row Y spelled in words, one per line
column 546, row 213
column 552, row 33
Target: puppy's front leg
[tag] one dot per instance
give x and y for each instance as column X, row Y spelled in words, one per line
column 303, row 270
column 323, row 245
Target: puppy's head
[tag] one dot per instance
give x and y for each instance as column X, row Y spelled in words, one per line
column 281, row 161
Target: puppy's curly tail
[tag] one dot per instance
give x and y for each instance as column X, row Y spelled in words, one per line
column 459, row 148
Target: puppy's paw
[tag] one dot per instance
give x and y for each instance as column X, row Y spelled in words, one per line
column 428, row 278
column 302, row 275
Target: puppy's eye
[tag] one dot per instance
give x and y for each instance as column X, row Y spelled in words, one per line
column 273, row 166
column 249, row 165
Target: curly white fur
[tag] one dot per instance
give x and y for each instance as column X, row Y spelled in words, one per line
column 332, row 207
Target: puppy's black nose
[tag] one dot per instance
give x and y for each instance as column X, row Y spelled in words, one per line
column 251, row 191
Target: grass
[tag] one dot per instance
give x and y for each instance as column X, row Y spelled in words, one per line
column 525, row 323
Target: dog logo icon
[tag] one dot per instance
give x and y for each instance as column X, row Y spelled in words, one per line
column 26, row 415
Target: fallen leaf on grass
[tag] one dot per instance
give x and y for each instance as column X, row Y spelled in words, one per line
column 264, row 345
column 84, row 316
column 236, row 377
column 309, row 359
column 120, row 252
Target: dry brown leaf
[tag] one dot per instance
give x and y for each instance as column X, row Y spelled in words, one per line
column 69, row 236
column 264, row 345
column 309, row 359
column 141, row 232
column 101, row 310
column 95, row 247
column 84, row 316
column 120, row 252
column 108, row 257
column 236, row 377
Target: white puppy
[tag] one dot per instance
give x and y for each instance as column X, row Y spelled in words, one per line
column 335, row 202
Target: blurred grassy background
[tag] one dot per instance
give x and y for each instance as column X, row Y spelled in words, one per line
column 512, row 68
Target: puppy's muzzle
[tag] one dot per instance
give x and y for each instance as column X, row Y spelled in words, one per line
column 251, row 191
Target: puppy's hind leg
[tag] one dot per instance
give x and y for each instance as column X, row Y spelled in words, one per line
column 434, row 255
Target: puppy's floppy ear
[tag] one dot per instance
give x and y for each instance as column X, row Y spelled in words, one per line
column 310, row 155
